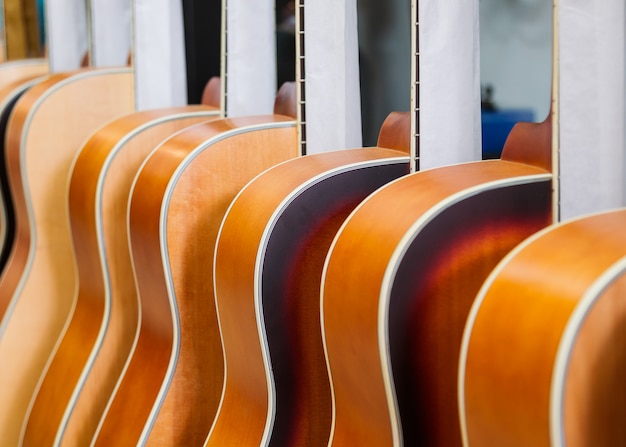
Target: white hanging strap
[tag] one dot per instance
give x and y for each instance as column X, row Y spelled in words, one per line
column 333, row 104
column 66, row 33
column 159, row 54
column 450, row 82
column 110, row 32
column 592, row 107
column 250, row 57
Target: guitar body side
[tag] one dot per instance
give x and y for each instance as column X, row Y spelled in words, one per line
column 393, row 320
column 9, row 95
column 97, row 342
column 37, row 288
column 269, row 262
column 17, row 71
column 173, row 382
column 543, row 358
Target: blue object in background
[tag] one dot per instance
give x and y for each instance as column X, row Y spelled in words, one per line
column 42, row 27
column 496, row 126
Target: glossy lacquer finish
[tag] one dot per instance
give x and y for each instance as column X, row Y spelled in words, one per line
column 49, row 123
column 8, row 97
column 544, row 355
column 399, row 282
column 97, row 342
column 268, row 266
column 171, row 388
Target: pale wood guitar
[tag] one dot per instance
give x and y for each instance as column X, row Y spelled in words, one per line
column 9, row 95
column 37, row 287
column 11, row 72
column 100, row 332
column 15, row 78
column 544, row 349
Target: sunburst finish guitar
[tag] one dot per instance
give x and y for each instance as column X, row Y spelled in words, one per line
column 544, row 350
column 267, row 271
column 268, row 266
column 100, row 334
column 400, row 279
column 48, row 125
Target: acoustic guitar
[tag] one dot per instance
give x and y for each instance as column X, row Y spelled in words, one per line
column 268, row 265
column 267, row 268
column 99, row 333
column 14, row 71
column 9, row 96
column 48, row 124
column 558, row 302
column 98, row 336
column 401, row 276
column 15, row 78
column 178, row 200
column 101, row 329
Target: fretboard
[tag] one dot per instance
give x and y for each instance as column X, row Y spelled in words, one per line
column 415, row 87
column 300, row 76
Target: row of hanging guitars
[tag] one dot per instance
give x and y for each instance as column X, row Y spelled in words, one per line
column 188, row 279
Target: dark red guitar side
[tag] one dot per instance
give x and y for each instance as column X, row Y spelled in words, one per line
column 401, row 277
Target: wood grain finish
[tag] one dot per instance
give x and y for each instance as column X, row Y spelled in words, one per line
column 525, row 142
column 395, row 132
column 268, row 266
column 9, row 95
column 98, row 340
column 49, row 123
column 173, row 382
column 393, row 321
column 14, row 79
column 544, row 350
column 11, row 72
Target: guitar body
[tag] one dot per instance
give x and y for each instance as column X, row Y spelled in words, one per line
column 399, row 282
column 172, row 384
column 97, row 342
column 9, row 95
column 268, row 266
column 544, row 352
column 15, row 78
column 15, row 71
column 49, row 123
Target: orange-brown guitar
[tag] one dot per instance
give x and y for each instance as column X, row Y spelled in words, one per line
column 15, row 78
column 9, row 94
column 544, row 351
column 172, row 384
column 399, row 281
column 268, row 266
column 402, row 274
column 37, row 287
column 98, row 339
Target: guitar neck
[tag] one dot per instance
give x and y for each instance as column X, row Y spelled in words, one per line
column 415, row 87
column 223, row 60
column 300, row 77
column 554, row 114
